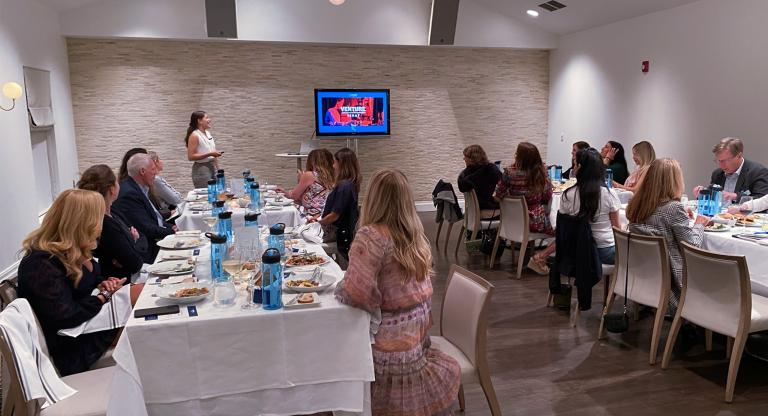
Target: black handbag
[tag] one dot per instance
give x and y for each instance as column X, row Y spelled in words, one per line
column 618, row 323
column 489, row 239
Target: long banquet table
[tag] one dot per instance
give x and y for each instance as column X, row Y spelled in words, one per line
column 228, row 361
column 192, row 219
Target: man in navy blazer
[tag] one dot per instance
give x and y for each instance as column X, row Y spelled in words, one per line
column 133, row 202
column 737, row 175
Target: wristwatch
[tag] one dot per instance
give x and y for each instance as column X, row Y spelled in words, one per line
column 107, row 295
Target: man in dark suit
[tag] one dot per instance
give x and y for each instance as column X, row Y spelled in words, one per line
column 133, row 202
column 737, row 175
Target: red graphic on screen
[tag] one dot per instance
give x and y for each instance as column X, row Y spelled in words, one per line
column 365, row 111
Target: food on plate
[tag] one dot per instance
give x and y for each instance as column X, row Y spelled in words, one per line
column 306, row 298
column 302, row 283
column 738, row 217
column 187, row 242
column 189, row 292
column 304, row 260
column 716, row 227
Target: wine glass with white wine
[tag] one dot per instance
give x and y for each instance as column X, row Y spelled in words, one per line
column 210, row 222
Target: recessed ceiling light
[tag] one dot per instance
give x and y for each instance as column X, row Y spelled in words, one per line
column 337, row 2
column 533, row 13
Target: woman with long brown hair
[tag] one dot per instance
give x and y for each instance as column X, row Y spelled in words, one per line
column 481, row 176
column 57, row 276
column 201, row 149
column 527, row 177
column 340, row 212
column 656, row 210
column 315, row 183
column 642, row 154
column 389, row 274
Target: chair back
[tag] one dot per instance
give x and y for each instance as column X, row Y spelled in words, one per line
column 716, row 290
column 514, row 219
column 8, row 291
column 463, row 317
column 471, row 211
column 646, row 270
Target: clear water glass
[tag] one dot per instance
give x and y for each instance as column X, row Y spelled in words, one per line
column 254, row 257
column 745, row 208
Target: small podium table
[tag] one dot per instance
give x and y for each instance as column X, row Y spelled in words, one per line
column 296, row 156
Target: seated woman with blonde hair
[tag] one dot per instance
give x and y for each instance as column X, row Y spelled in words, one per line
column 389, row 274
column 58, row 276
column 642, row 154
column 315, row 183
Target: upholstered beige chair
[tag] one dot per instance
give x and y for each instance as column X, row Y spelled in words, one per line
column 472, row 220
column 643, row 262
column 463, row 323
column 93, row 389
column 515, row 227
column 717, row 295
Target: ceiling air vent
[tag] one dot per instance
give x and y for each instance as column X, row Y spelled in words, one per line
column 552, row 6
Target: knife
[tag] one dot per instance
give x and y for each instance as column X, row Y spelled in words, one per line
column 294, row 299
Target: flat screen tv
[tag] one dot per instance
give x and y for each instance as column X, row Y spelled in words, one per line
column 346, row 112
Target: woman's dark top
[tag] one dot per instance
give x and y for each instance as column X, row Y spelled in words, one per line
column 58, row 304
column 620, row 172
column 483, row 179
column 116, row 245
column 343, row 201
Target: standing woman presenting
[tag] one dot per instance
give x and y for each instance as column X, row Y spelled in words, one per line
column 201, row 149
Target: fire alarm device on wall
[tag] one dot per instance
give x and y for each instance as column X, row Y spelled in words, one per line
column 645, row 66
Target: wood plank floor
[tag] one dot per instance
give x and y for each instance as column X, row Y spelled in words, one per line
column 542, row 366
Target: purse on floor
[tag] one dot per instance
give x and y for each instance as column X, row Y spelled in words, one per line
column 618, row 323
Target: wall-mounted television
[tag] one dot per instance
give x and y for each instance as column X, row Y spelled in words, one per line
column 346, row 112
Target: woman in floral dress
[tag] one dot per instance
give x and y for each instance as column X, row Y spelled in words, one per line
column 390, row 265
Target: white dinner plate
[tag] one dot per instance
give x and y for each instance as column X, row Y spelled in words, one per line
column 310, row 267
column 325, row 282
column 272, row 208
column 725, row 228
column 288, row 304
column 170, row 292
column 198, row 206
column 196, row 197
column 281, row 203
column 171, row 268
column 200, row 191
column 176, row 242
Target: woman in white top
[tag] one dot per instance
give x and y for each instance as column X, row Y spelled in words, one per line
column 755, row 205
column 590, row 198
column 201, row 149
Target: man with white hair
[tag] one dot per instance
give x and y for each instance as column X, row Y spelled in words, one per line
column 133, row 202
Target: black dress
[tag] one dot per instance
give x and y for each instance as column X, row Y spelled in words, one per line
column 58, row 304
column 483, row 179
column 116, row 245
column 343, row 201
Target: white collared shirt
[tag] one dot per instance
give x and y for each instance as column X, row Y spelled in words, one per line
column 732, row 178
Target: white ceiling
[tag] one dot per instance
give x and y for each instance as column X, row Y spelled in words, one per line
column 580, row 14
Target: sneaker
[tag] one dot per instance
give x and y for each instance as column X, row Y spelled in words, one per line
column 538, row 266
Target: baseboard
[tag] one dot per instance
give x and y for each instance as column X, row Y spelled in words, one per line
column 428, row 206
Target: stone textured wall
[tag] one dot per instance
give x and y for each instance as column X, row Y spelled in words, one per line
column 129, row 93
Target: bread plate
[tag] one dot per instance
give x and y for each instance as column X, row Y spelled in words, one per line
column 300, row 301
column 300, row 282
column 185, row 292
column 172, row 268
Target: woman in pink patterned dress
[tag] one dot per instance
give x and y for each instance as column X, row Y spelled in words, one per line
column 315, row 183
column 390, row 265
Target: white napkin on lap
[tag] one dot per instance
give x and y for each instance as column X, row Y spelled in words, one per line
column 113, row 314
column 39, row 380
column 312, row 232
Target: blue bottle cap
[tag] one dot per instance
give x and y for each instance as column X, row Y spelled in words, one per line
column 270, row 256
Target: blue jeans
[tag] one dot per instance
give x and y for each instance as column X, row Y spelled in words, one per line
column 607, row 254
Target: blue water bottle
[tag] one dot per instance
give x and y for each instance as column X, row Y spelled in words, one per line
column 716, row 194
column 246, row 175
column 271, row 280
column 277, row 237
column 216, row 208
column 609, row 178
column 212, row 191
column 559, row 173
column 220, row 181
column 225, row 226
column 703, row 202
column 247, row 185
column 218, row 255
column 255, row 197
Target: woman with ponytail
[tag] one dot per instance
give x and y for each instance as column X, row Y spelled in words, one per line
column 201, row 149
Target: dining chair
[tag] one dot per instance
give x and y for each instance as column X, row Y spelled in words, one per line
column 641, row 262
column 93, row 387
column 463, row 325
column 473, row 222
column 514, row 226
column 717, row 296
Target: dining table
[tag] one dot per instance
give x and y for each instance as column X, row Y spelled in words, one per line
column 225, row 360
column 195, row 208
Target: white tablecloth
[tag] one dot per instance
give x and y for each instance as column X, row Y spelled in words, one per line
column 756, row 254
column 193, row 220
column 228, row 361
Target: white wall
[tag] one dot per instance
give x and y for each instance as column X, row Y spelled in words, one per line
column 390, row 22
column 480, row 25
column 29, row 36
column 707, row 80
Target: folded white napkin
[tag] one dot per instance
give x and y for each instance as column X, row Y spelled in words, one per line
column 312, row 232
column 39, row 380
column 113, row 314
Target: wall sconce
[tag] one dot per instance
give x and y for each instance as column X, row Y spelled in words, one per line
column 13, row 91
column 337, row 2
